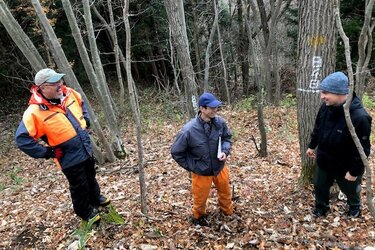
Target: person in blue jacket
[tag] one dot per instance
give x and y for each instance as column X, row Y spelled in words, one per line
column 337, row 156
column 58, row 116
column 202, row 147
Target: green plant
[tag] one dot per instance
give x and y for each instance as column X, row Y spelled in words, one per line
column 158, row 232
column 2, row 186
column 235, row 134
column 84, row 233
column 246, row 104
column 112, row 216
column 289, row 101
column 13, row 175
column 368, row 101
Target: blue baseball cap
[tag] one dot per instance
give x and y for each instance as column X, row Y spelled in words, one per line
column 336, row 83
column 208, row 100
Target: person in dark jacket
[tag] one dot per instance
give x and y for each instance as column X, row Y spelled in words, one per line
column 337, row 157
column 202, row 147
column 58, row 116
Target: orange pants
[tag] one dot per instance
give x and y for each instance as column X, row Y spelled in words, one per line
column 201, row 186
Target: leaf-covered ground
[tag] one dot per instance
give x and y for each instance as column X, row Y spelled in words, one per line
column 271, row 210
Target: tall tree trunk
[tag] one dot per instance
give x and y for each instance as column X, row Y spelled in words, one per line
column 135, row 108
column 260, row 105
column 222, row 56
column 20, row 38
column 364, row 54
column 243, row 48
column 316, row 59
column 117, row 56
column 64, row 66
column 195, row 41
column 176, row 17
column 99, row 71
column 173, row 64
column 276, row 76
column 112, row 35
column 232, row 62
column 208, row 51
column 369, row 7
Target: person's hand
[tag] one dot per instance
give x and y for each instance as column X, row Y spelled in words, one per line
column 350, row 177
column 54, row 153
column 58, row 153
column 311, row 153
column 223, row 157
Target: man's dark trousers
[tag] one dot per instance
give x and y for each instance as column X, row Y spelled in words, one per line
column 323, row 180
column 84, row 189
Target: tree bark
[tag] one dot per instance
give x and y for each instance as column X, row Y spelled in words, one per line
column 243, row 49
column 363, row 42
column 369, row 193
column 117, row 57
column 316, row 59
column 20, row 38
column 208, row 50
column 195, row 41
column 108, row 101
column 260, row 102
column 222, row 57
column 176, row 17
column 135, row 108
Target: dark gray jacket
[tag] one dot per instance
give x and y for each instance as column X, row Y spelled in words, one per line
column 195, row 151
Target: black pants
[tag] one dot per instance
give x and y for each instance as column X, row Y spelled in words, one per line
column 84, row 189
column 323, row 180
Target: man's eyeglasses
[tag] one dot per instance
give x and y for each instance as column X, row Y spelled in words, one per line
column 54, row 84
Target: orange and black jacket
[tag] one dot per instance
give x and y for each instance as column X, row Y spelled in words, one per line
column 59, row 125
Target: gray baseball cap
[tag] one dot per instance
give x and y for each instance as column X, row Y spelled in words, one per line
column 47, row 75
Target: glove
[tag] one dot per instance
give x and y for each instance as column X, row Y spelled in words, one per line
column 87, row 122
column 53, row 153
column 58, row 153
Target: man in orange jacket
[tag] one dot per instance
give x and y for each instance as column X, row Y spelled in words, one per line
column 58, row 116
column 202, row 147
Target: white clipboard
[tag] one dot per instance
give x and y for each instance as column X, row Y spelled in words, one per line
column 219, row 148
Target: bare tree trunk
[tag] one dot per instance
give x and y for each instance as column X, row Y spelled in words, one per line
column 176, row 17
column 108, row 101
column 369, row 7
column 268, row 44
column 174, row 68
column 135, row 108
column 276, row 76
column 196, row 42
column 316, row 59
column 87, row 65
column 243, row 49
column 117, row 57
column 97, row 63
column 222, row 56
column 208, row 50
column 111, row 32
column 20, row 38
column 364, row 41
column 260, row 105
column 63, row 64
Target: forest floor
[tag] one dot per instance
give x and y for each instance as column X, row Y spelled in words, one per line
column 271, row 210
